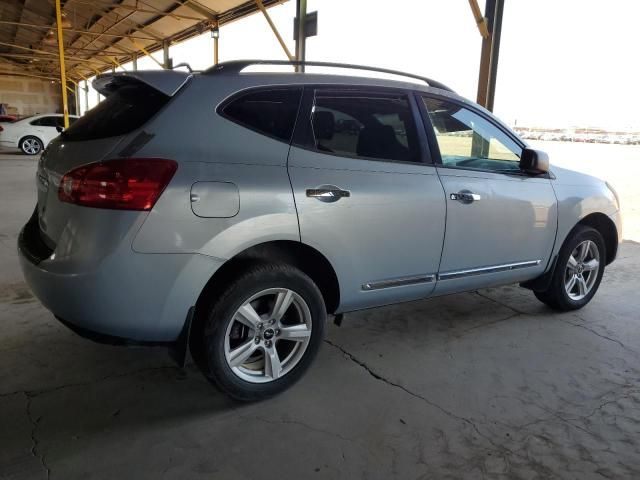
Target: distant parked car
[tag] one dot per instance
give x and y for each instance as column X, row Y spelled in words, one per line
column 7, row 118
column 32, row 134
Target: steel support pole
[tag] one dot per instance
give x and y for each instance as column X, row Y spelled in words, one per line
column 215, row 45
column 86, row 95
column 63, row 74
column 165, row 54
column 489, row 54
column 495, row 53
column 134, row 62
column 301, row 42
column 485, row 55
column 76, row 94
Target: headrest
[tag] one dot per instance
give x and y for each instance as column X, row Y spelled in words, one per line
column 323, row 125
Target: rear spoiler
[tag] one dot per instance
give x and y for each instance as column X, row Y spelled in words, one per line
column 164, row 81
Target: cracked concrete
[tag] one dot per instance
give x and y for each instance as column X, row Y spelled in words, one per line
column 489, row 384
column 34, row 438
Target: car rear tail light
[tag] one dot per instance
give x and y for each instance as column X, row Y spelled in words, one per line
column 1, row 129
column 122, row 184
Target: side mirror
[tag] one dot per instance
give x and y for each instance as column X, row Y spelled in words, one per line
column 59, row 129
column 534, row 161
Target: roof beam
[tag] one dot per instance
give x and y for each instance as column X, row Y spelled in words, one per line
column 177, row 16
column 274, row 29
column 83, row 32
column 481, row 21
column 50, row 54
column 197, row 7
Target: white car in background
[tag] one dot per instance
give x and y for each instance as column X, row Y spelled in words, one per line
column 32, row 134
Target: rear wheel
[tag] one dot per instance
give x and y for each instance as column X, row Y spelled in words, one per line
column 31, row 145
column 263, row 332
column 578, row 272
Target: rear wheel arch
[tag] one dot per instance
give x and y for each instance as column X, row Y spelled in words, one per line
column 296, row 254
column 605, row 226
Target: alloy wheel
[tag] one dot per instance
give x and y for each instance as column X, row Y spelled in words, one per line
column 31, row 146
column 268, row 335
column 582, row 270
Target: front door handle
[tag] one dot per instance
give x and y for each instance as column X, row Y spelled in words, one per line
column 328, row 193
column 465, row 196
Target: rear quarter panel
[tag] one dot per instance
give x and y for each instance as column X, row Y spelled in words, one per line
column 210, row 148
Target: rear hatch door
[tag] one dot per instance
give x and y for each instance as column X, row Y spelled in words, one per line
column 132, row 99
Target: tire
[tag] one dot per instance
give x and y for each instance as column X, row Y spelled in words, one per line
column 564, row 293
column 243, row 348
column 31, row 145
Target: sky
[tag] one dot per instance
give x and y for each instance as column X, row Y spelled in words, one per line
column 563, row 63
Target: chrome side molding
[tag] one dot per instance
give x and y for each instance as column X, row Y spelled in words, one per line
column 492, row 269
column 416, row 279
column 398, row 282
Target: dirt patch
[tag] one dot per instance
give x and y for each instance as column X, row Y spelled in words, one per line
column 16, row 294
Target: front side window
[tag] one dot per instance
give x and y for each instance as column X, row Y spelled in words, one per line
column 369, row 125
column 468, row 140
column 270, row 112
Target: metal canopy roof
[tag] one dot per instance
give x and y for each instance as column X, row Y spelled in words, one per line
column 102, row 34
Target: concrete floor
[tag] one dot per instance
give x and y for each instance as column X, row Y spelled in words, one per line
column 480, row 385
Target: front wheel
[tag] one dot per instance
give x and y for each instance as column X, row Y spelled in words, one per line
column 263, row 332
column 31, row 145
column 578, row 272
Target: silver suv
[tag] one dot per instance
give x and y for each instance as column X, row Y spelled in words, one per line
column 229, row 212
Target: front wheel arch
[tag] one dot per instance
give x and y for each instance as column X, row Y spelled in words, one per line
column 605, row 226
column 556, row 293
column 598, row 221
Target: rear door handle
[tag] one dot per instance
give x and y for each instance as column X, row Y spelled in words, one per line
column 465, row 196
column 328, row 193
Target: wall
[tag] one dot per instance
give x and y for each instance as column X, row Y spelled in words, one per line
column 27, row 96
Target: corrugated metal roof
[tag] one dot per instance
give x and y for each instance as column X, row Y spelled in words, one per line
column 99, row 34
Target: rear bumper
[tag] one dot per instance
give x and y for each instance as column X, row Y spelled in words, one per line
column 130, row 297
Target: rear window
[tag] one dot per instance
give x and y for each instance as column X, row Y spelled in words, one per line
column 270, row 112
column 123, row 111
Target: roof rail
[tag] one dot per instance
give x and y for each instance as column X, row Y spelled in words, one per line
column 236, row 66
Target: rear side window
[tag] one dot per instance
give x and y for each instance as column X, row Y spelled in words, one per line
column 46, row 122
column 126, row 109
column 369, row 125
column 270, row 112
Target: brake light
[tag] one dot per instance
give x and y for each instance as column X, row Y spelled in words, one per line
column 1, row 129
column 122, row 184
